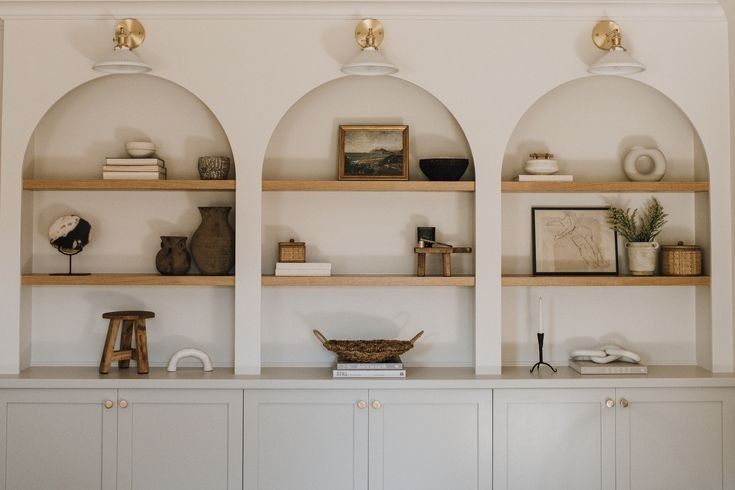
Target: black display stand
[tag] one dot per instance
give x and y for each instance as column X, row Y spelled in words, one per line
column 541, row 362
column 70, row 273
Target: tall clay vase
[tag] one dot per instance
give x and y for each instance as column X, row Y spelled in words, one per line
column 642, row 258
column 173, row 259
column 213, row 244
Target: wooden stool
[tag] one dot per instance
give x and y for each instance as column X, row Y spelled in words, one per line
column 446, row 253
column 132, row 322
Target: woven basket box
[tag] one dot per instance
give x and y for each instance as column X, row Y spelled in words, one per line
column 291, row 251
column 681, row 260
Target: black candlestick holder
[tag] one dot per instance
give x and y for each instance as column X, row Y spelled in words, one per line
column 541, row 362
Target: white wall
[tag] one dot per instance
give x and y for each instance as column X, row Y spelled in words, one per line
column 514, row 63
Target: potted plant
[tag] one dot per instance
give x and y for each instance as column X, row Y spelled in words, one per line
column 639, row 231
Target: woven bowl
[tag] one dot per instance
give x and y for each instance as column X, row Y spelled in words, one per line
column 213, row 168
column 367, row 350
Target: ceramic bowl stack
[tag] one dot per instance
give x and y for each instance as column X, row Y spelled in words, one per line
column 541, row 166
column 140, row 149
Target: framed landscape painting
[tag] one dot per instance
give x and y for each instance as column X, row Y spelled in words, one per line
column 373, row 152
column 573, row 241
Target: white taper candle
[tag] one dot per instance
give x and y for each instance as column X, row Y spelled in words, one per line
column 540, row 314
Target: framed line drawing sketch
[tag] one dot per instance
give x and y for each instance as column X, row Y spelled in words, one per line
column 573, row 241
column 373, row 152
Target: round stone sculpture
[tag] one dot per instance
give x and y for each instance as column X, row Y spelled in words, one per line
column 658, row 168
column 70, row 234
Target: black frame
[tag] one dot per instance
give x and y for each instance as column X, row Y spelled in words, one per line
column 566, row 208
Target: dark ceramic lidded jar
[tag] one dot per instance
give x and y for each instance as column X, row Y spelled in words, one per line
column 173, row 259
column 213, row 244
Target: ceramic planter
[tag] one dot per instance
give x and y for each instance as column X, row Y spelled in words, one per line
column 213, row 244
column 173, row 259
column 642, row 257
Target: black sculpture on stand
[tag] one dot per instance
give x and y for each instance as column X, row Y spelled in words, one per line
column 69, row 234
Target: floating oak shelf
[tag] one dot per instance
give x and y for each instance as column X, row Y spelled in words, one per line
column 126, row 280
column 529, row 280
column 127, row 185
column 369, row 280
column 515, row 187
column 371, row 185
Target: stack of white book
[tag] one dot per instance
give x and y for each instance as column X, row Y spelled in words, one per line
column 392, row 368
column 134, row 169
column 544, row 178
column 303, row 269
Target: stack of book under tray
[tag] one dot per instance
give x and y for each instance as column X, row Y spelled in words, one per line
column 303, row 269
column 134, row 169
column 392, row 368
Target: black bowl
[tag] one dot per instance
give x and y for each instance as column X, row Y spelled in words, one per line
column 444, row 168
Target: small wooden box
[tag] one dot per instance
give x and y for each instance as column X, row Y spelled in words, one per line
column 291, row 251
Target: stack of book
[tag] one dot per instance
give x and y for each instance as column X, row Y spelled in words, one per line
column 544, row 178
column 134, row 169
column 392, row 368
column 303, row 269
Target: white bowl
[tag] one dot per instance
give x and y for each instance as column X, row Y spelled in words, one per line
column 140, row 145
column 541, row 167
column 140, row 153
column 140, row 149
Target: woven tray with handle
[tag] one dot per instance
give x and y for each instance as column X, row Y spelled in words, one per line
column 367, row 350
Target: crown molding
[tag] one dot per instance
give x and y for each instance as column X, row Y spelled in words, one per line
column 691, row 10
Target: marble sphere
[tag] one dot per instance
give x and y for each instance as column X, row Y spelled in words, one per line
column 70, row 234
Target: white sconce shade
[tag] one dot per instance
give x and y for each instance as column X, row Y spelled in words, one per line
column 370, row 61
column 129, row 34
column 122, row 61
column 617, row 61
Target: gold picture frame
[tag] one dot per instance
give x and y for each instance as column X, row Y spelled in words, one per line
column 369, row 152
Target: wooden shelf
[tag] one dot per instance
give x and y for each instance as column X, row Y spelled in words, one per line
column 368, row 185
column 600, row 187
column 127, row 185
column 126, row 280
column 369, row 280
column 529, row 280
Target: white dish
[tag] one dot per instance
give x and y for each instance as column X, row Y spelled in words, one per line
column 140, row 149
column 541, row 167
column 140, row 145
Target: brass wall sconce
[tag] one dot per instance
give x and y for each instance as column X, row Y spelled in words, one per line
column 369, row 35
column 129, row 35
column 617, row 61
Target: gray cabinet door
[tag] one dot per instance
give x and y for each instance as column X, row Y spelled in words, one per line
column 430, row 439
column 306, row 439
column 180, row 439
column 57, row 439
column 676, row 438
column 555, row 439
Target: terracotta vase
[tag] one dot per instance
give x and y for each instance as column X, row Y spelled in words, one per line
column 213, row 244
column 173, row 259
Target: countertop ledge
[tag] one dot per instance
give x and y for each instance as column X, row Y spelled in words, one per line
column 321, row 378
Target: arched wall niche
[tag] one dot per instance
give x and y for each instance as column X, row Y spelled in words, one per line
column 609, row 116
column 71, row 141
column 365, row 232
column 106, row 112
column 304, row 143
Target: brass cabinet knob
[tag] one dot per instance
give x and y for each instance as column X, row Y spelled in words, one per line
column 376, row 404
column 610, row 403
column 361, row 404
column 109, row 404
column 624, row 403
column 123, row 404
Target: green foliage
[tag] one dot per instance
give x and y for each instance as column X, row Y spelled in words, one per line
column 645, row 228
